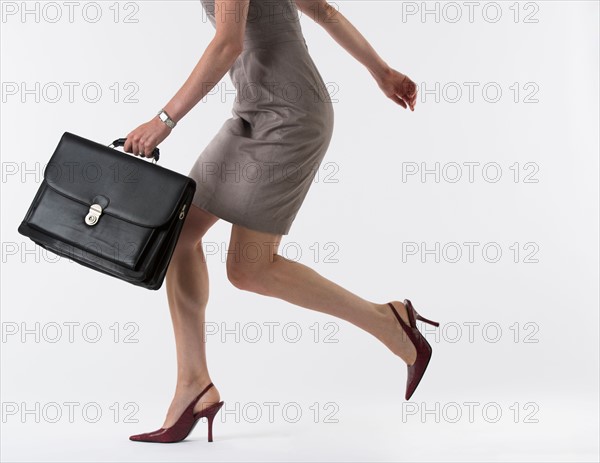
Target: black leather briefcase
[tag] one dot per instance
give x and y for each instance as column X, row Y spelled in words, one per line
column 110, row 211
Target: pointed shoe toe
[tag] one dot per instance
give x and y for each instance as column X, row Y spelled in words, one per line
column 184, row 425
column 415, row 372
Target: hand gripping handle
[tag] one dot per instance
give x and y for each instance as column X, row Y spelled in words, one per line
column 121, row 142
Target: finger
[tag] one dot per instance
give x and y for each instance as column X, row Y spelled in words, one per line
column 413, row 97
column 148, row 147
column 410, row 94
column 412, row 90
column 398, row 100
column 127, row 145
column 151, row 151
column 411, row 100
column 134, row 147
column 411, row 104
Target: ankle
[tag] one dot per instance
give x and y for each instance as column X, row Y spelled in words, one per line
column 381, row 309
column 384, row 311
column 190, row 382
column 378, row 321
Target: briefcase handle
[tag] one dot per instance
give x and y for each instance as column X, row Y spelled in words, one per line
column 121, row 142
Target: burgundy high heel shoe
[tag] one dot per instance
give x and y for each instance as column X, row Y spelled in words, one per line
column 184, row 425
column 416, row 370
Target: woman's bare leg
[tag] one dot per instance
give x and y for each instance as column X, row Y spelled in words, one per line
column 254, row 265
column 187, row 293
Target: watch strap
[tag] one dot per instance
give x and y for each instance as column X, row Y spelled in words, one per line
column 163, row 116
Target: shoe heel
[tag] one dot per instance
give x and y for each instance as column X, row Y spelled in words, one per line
column 423, row 319
column 211, row 416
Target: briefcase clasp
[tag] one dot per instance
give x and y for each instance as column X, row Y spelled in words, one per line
column 93, row 215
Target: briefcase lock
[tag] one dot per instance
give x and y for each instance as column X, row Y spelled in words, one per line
column 93, row 215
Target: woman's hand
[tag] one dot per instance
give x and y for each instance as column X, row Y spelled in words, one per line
column 399, row 88
column 143, row 140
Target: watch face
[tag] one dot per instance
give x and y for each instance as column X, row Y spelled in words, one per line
column 163, row 117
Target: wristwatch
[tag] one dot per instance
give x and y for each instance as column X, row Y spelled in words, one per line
column 163, row 116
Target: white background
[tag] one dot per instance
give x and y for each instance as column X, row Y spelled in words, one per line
column 546, row 391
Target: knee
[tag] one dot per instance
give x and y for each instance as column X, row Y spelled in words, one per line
column 186, row 245
column 247, row 276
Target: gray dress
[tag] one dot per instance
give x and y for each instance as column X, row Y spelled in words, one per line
column 258, row 168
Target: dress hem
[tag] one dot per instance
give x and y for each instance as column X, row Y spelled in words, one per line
column 256, row 226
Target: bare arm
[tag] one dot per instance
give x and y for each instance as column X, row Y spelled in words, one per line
column 217, row 59
column 394, row 84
